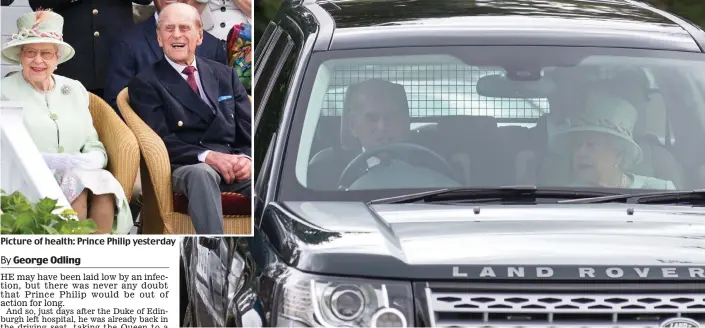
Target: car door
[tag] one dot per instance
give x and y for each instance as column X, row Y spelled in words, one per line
column 274, row 85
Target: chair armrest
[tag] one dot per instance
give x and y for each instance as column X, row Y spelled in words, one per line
column 154, row 153
column 120, row 143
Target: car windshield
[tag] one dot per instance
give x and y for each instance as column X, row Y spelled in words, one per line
column 382, row 122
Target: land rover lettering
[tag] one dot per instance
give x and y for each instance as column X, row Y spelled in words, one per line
column 544, row 272
column 458, row 274
column 566, row 272
column 697, row 272
column 503, row 272
column 615, row 272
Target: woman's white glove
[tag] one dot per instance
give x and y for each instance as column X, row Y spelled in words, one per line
column 86, row 161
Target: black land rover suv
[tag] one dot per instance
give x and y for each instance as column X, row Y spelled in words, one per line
column 486, row 162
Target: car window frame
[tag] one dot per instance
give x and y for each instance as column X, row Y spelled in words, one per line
column 265, row 132
column 267, row 56
column 287, row 73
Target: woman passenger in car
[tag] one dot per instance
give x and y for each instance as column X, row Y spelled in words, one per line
column 602, row 147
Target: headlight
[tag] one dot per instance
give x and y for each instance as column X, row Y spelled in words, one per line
column 305, row 300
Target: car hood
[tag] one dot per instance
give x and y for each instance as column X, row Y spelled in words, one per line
column 428, row 241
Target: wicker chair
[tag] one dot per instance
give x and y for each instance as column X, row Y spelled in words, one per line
column 120, row 144
column 163, row 211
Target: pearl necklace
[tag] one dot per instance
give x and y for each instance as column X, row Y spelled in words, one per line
column 52, row 84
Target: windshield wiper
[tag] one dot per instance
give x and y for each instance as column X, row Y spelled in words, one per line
column 506, row 193
column 694, row 197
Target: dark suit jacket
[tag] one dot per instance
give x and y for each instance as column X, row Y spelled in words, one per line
column 137, row 49
column 82, row 20
column 6, row 2
column 188, row 126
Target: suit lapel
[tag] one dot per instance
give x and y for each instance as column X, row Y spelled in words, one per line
column 150, row 27
column 179, row 89
column 210, row 86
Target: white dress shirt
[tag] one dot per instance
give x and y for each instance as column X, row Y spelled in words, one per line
column 372, row 161
column 180, row 68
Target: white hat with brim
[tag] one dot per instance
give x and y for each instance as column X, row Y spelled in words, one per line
column 38, row 27
column 604, row 114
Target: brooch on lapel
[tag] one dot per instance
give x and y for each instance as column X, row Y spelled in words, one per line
column 65, row 89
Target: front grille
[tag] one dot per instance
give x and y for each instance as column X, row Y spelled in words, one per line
column 504, row 308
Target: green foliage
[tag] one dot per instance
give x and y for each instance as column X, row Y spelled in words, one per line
column 693, row 10
column 20, row 216
column 264, row 12
column 690, row 9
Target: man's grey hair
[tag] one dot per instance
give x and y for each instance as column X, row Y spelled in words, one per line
column 198, row 21
column 373, row 89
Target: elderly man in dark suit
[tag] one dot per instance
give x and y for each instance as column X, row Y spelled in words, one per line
column 137, row 48
column 91, row 27
column 202, row 112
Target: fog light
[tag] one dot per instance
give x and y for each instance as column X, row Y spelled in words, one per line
column 347, row 303
column 388, row 317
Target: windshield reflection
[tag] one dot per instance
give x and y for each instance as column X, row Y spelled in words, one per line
column 595, row 118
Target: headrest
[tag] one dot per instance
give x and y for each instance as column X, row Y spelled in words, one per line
column 633, row 86
column 630, row 84
column 368, row 90
column 466, row 124
column 571, row 83
column 457, row 131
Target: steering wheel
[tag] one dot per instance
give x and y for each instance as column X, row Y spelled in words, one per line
column 396, row 150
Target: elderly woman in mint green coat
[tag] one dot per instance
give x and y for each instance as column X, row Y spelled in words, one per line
column 57, row 118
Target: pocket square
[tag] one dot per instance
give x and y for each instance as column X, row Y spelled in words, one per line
column 221, row 98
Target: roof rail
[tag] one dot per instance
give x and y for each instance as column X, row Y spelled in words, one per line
column 695, row 32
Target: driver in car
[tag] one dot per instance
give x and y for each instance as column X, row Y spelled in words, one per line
column 376, row 114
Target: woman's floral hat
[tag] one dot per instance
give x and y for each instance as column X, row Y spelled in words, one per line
column 42, row 26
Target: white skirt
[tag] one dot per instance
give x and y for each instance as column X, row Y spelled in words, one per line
column 99, row 182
